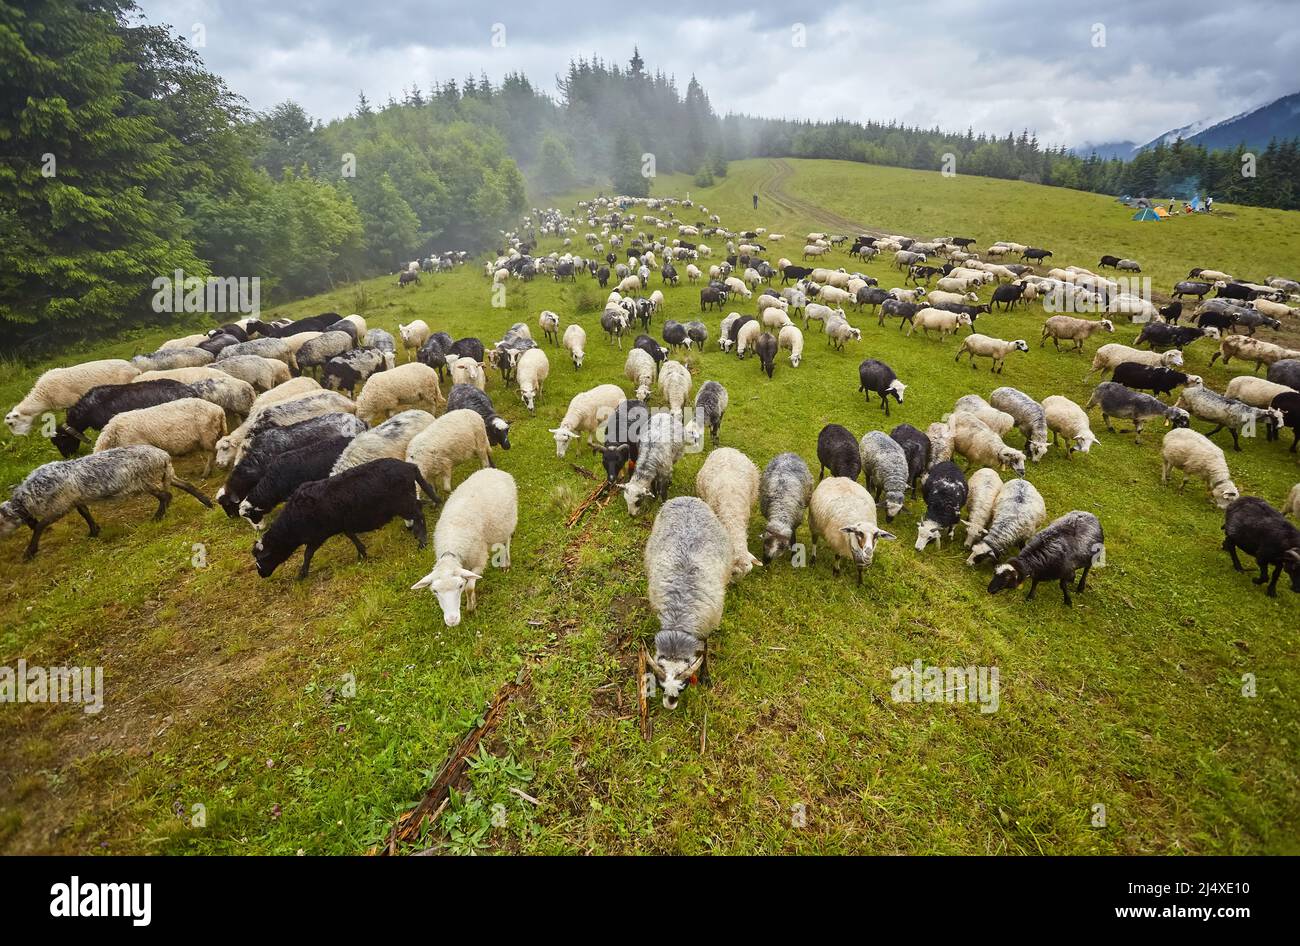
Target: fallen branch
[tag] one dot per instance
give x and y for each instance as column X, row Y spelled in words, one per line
column 586, row 504
column 642, row 705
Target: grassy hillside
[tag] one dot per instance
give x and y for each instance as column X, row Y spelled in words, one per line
column 232, row 693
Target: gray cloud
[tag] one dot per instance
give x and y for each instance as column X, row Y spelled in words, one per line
column 996, row 66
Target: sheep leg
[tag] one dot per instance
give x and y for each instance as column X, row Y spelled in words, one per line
column 1263, row 573
column 1084, row 577
column 1231, row 549
column 164, row 499
column 1236, row 444
column 1272, row 585
column 85, row 514
column 1065, row 590
column 704, row 666
column 37, row 528
column 1033, row 588
column 307, row 560
column 361, row 549
column 419, row 529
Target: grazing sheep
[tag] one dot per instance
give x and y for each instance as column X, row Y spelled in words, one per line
column 228, row 393
column 453, row 438
column 1252, row 349
column 728, row 483
column 466, row 396
column 766, row 348
column 587, row 411
column 1109, row 356
column 549, row 323
column 696, row 332
column 1061, row 328
column 985, row 485
column 791, row 339
column 1000, row 422
column 1292, row 507
column 1255, row 391
column 838, row 331
column 99, row 405
column 624, row 429
column 388, row 392
column 675, row 384
column 945, row 493
column 688, row 560
column 817, row 312
column 986, row 346
column 188, row 341
column 747, row 335
column 477, row 522
column 1161, row 336
column 163, row 360
column 60, row 388
column 843, row 514
column 181, row 427
column 675, row 335
column 1116, row 400
column 837, row 451
column 575, row 340
column 285, row 472
column 315, row 352
column 783, row 495
column 940, row 437
column 710, row 406
column 1195, row 455
column 530, row 374
column 916, row 446
column 262, row 373
column 1072, row 542
column 1031, row 419
column 352, row 368
column 1068, row 419
column 413, row 336
column 378, row 338
column 291, row 411
column 1255, row 527
column 639, row 368
column 277, row 349
column 1017, row 513
column 388, row 440
column 1237, row 416
column 661, row 447
column 54, row 489
column 358, row 500
column 885, row 470
column 972, row 438
column 876, row 377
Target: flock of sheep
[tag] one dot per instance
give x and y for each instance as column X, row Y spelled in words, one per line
column 347, row 463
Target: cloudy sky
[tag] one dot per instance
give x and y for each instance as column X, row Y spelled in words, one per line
column 1073, row 72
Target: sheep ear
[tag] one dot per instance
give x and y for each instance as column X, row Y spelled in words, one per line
column 755, row 562
column 467, row 574
column 889, row 536
column 424, row 582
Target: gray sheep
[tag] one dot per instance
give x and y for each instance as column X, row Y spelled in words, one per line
column 1115, row 400
column 1031, row 419
column 53, row 490
column 1018, row 511
column 170, row 358
column 1228, row 412
column 710, row 406
column 783, row 495
column 1072, row 542
column 884, row 467
column 316, row 351
column 662, row 446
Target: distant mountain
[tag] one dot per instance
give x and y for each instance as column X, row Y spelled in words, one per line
column 1254, row 128
column 1107, row 150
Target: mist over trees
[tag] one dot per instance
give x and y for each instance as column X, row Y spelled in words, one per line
column 124, row 159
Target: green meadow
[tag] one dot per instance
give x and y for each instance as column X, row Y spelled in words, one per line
column 282, row 716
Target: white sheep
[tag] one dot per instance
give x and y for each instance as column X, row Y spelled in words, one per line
column 982, row 493
column 1292, row 506
column 467, row 371
column 843, row 514
column 575, row 340
column 227, row 392
column 587, row 411
column 279, row 349
column 188, row 341
column 1068, row 419
column 413, row 336
column 940, row 437
column 1000, row 422
column 387, row 441
column 1061, row 328
column 183, row 375
column 728, row 482
column 1195, row 455
column 1256, row 392
column 453, row 438
column 973, row 439
column 477, row 523
column 639, row 368
column 1109, row 356
column 985, row 346
column 747, row 336
column 531, row 373
column 181, row 427
column 60, row 388
column 792, row 339
column 261, row 373
column 675, row 385
column 387, row 392
column 939, row 320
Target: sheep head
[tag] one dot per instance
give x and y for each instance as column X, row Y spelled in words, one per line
column 447, row 581
column 674, row 674
column 1005, row 576
column 563, row 436
column 928, row 531
column 862, row 538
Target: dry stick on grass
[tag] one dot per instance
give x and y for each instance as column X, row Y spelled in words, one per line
column 586, row 504
column 640, row 694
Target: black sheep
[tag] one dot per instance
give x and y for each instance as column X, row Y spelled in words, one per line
column 876, row 377
column 712, row 296
column 1286, row 371
column 468, row 397
column 733, row 332
column 900, row 310
column 674, row 334
column 102, row 403
column 1255, row 527
column 287, row 471
column 945, row 493
column 1153, row 378
column 230, row 328
column 467, row 348
column 1072, row 542
column 1235, row 290
column 837, row 451
column 1161, row 336
column 795, row 272
column 217, row 342
column 624, row 428
column 916, row 447
column 1008, row 294
column 432, row 353
column 358, row 500
column 602, row 276
column 698, row 333
column 766, row 346
column 1035, row 253
column 348, row 371
column 1220, row 320
column 1172, row 313
column 871, row 295
column 1288, row 402
column 1111, row 261
column 651, row 348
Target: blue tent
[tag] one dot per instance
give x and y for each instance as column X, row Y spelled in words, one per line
column 1147, row 214
column 1197, row 204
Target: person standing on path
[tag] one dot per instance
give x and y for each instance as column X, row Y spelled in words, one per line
column 755, row 201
